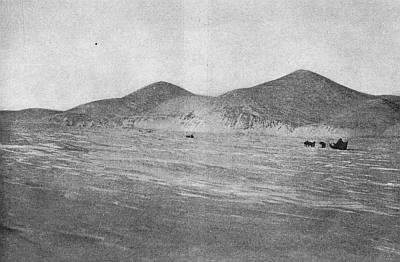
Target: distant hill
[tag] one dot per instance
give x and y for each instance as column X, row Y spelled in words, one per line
column 136, row 102
column 111, row 111
column 30, row 114
column 302, row 103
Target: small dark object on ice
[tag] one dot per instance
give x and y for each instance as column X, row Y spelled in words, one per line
column 308, row 143
column 323, row 144
column 339, row 145
column 190, row 136
column 145, row 130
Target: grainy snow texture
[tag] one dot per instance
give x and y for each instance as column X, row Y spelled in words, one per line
column 122, row 195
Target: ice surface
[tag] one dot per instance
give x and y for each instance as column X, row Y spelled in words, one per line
column 91, row 195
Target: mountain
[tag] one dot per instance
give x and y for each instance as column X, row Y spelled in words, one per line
column 302, row 103
column 300, row 98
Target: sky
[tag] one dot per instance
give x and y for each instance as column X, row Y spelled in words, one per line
column 58, row 54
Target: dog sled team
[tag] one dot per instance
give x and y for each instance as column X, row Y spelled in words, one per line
column 340, row 144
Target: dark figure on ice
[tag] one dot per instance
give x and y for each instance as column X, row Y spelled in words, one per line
column 190, row 136
column 339, row 145
column 323, row 144
column 308, row 143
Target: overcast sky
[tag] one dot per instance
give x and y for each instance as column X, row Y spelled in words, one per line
column 49, row 57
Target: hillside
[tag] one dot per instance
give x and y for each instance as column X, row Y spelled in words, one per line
column 391, row 98
column 373, row 115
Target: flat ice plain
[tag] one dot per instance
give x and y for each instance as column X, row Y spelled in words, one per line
column 121, row 195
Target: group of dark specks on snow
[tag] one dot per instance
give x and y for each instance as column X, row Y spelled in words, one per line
column 338, row 145
column 151, row 131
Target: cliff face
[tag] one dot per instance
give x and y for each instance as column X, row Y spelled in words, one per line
column 302, row 103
